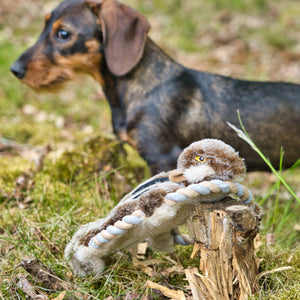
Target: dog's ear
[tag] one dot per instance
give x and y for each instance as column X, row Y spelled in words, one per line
column 124, row 34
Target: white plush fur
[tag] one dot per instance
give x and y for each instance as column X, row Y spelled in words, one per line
column 196, row 174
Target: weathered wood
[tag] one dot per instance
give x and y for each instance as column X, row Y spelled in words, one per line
column 225, row 235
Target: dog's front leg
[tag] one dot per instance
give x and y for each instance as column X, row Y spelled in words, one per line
column 159, row 157
column 164, row 161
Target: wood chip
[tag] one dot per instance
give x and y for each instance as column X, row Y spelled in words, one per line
column 196, row 250
column 173, row 294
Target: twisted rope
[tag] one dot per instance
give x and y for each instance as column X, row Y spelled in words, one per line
column 192, row 192
column 213, row 190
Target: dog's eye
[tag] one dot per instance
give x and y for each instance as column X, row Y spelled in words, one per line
column 63, row 34
column 200, row 158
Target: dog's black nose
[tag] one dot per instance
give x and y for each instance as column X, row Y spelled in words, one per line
column 18, row 69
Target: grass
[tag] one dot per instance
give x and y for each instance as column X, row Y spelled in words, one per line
column 244, row 136
column 86, row 171
column 277, row 217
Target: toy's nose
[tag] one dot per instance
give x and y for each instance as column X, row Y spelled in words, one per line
column 18, row 69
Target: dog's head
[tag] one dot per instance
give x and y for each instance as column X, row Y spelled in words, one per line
column 77, row 37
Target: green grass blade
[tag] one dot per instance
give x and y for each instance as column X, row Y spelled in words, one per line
column 244, row 136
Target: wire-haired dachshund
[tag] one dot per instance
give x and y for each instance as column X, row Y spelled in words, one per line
column 158, row 105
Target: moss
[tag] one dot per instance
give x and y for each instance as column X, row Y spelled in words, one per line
column 276, row 283
column 97, row 155
column 11, row 168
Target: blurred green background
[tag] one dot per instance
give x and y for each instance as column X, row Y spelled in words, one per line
column 251, row 39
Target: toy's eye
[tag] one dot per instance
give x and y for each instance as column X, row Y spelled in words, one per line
column 63, row 34
column 200, row 158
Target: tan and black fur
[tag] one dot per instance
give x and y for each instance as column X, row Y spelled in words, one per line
column 158, row 105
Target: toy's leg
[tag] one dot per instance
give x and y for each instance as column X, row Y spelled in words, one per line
column 166, row 240
column 181, row 238
column 162, row 242
column 84, row 260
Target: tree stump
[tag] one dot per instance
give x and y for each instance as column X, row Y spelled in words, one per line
column 224, row 234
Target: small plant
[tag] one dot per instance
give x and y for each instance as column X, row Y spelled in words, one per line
column 244, row 135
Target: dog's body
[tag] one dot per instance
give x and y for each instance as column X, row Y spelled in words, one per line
column 163, row 106
column 158, row 105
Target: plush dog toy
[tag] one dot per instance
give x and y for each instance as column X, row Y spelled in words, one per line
column 208, row 170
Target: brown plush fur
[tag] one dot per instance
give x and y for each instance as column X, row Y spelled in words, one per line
column 122, row 211
column 221, row 157
column 149, row 201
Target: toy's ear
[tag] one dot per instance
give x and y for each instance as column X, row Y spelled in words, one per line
column 177, row 176
column 124, row 34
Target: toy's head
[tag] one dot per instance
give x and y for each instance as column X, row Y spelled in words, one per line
column 210, row 159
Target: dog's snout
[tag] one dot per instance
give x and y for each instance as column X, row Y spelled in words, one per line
column 18, row 69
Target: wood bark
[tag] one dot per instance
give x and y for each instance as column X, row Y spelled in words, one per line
column 224, row 234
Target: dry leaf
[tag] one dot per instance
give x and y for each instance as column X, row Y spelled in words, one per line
column 270, row 237
column 26, row 287
column 297, row 227
column 174, row 295
column 147, row 262
column 61, row 296
column 144, row 266
column 168, row 258
column 142, row 248
column 169, row 272
column 41, row 297
column 139, row 252
column 48, row 278
column 131, row 296
column 128, row 296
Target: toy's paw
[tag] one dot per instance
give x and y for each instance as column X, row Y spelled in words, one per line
column 84, row 261
column 183, row 239
column 167, row 240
